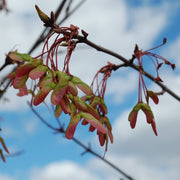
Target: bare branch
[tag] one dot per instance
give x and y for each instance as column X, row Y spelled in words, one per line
column 130, row 64
column 87, row 149
column 127, row 62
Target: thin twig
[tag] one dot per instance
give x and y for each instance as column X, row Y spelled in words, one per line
column 87, row 149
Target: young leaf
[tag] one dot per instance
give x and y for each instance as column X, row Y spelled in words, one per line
column 42, row 15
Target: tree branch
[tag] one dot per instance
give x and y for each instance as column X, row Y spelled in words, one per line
column 83, row 39
column 130, row 64
column 127, row 63
column 87, row 149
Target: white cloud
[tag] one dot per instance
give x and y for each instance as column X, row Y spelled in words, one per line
column 62, row 170
column 145, row 25
column 6, row 177
column 119, row 87
column 13, row 102
column 134, row 168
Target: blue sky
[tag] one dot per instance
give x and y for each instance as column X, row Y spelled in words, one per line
column 117, row 25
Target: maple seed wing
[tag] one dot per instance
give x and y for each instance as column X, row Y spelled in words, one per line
column 153, row 96
column 72, row 126
column 19, row 82
column 15, row 56
column 94, row 122
column 24, row 69
column 38, row 72
column 23, row 91
column 149, row 116
column 133, row 115
column 72, row 89
column 58, row 93
column 58, row 110
column 101, row 139
column 41, row 95
column 82, row 86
